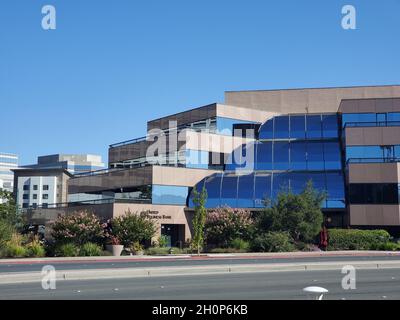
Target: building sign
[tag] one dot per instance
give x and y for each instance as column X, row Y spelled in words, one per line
column 155, row 215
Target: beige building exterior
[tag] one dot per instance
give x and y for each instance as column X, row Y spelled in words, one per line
column 160, row 184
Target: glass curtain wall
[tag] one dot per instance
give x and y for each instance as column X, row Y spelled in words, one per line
column 291, row 151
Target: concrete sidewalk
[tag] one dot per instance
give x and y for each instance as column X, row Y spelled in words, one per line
column 111, row 273
column 280, row 255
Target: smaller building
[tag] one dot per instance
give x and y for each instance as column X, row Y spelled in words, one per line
column 8, row 162
column 40, row 187
column 74, row 163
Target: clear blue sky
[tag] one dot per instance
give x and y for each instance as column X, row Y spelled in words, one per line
column 112, row 65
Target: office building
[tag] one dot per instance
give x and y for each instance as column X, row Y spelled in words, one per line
column 73, row 163
column 44, row 188
column 8, row 162
column 257, row 144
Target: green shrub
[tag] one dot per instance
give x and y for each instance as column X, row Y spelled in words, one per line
column 6, row 232
column 162, row 241
column 162, row 251
column 353, row 239
column 227, row 250
column 35, row 249
column 274, row 241
column 131, row 228
column 90, row 249
column 67, row 250
column 14, row 251
column 240, row 244
column 79, row 228
column 298, row 214
column 390, row 246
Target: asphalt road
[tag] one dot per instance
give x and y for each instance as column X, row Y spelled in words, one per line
column 6, row 268
column 381, row 284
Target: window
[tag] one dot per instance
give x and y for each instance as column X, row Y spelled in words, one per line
column 393, row 116
column 34, row 197
column 262, row 189
column 297, row 127
column 298, row 182
column 330, row 126
column 358, row 117
column 374, row 193
column 45, row 187
column 25, row 197
column 229, row 190
column 281, row 156
column 315, row 156
column 280, row 183
column 298, row 155
column 197, row 159
column 372, row 152
column 281, row 130
column 169, row 195
column 264, row 156
column 267, row 130
column 335, row 190
column 332, row 156
column 25, row 205
column 35, row 187
column 45, row 205
column 26, row 187
column 314, row 129
column 246, row 191
column 213, row 185
column 225, row 125
column 45, row 196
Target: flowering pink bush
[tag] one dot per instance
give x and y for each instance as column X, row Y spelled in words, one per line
column 223, row 225
column 79, row 228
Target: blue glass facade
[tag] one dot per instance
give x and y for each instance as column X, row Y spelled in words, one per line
column 291, row 150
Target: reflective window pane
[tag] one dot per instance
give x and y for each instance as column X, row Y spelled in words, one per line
column 264, row 156
column 330, row 126
column 332, row 156
column 267, row 130
column 169, row 195
column 246, row 191
column 298, row 182
column 197, row 159
column 297, row 127
column 262, row 189
column 315, row 156
column 281, row 127
column 281, row 156
column 393, row 116
column 229, row 190
column 314, row 128
column 335, row 186
column 213, row 186
column 280, row 184
column 298, row 155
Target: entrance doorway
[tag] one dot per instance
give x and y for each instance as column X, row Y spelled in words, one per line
column 174, row 233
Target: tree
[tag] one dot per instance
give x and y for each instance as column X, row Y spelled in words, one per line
column 9, row 210
column 223, row 225
column 132, row 228
column 298, row 214
column 78, row 228
column 199, row 218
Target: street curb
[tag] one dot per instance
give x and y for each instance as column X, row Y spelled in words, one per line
column 281, row 255
column 69, row 275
